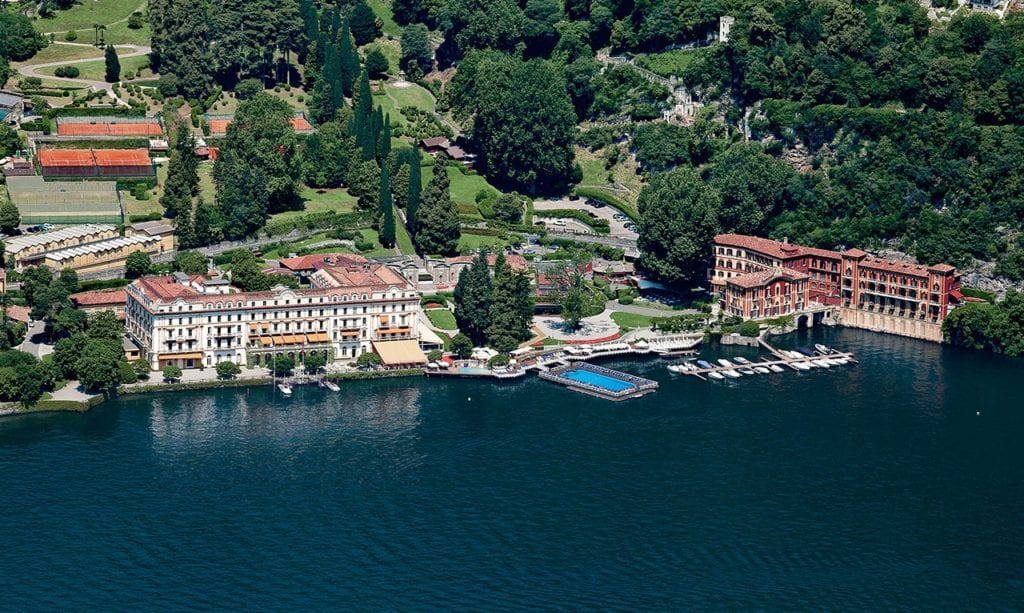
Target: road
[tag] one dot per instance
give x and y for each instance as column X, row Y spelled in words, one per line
column 618, row 227
column 32, row 70
column 34, row 338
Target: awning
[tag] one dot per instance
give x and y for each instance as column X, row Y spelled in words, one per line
column 397, row 353
column 319, row 337
column 350, row 332
column 957, row 295
column 182, row 356
column 265, row 341
column 394, row 330
column 429, row 337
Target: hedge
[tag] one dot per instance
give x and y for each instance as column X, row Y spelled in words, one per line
column 359, row 375
column 145, row 217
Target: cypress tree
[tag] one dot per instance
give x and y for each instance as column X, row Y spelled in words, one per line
column 349, row 58
column 437, row 220
column 412, row 203
column 387, row 209
column 184, row 228
column 506, row 326
column 112, row 74
column 372, row 136
column 201, row 224
column 384, row 140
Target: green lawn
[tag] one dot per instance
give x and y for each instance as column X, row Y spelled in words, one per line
column 119, row 34
column 143, row 207
column 57, row 53
column 371, row 235
column 95, row 71
column 81, row 16
column 631, row 320
column 391, row 49
column 463, row 187
column 382, row 9
column 442, row 318
column 413, row 95
column 403, row 238
column 473, row 242
column 335, row 199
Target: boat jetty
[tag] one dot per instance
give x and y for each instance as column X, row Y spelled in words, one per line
column 799, row 360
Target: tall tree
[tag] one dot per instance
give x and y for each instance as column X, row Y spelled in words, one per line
column 473, row 298
column 348, row 58
column 242, row 196
column 364, row 23
column 112, row 65
column 387, row 209
column 412, row 203
column 437, row 217
column 182, row 174
column 678, row 219
column 507, row 326
column 261, row 137
column 417, row 53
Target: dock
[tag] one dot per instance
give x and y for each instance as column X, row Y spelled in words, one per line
column 599, row 381
column 781, row 359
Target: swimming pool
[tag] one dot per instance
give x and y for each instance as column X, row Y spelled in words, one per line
column 597, row 380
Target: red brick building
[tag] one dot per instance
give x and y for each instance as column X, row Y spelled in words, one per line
column 748, row 273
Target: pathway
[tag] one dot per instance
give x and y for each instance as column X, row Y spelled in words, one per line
column 31, row 70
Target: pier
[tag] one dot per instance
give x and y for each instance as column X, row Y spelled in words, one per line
column 599, row 381
column 781, row 360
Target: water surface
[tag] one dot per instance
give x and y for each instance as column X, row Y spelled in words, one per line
column 878, row 486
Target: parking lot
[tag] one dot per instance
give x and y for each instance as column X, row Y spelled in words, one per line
column 616, row 220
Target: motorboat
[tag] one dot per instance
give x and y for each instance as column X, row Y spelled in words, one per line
column 761, row 370
column 794, row 354
column 833, row 362
column 732, row 374
column 704, row 364
column 680, row 368
column 285, row 388
column 822, row 349
column 843, row 361
column 807, row 352
column 716, row 376
column 740, row 360
column 746, row 371
column 725, row 362
column 331, row 385
column 776, row 368
column 800, row 365
column 821, row 363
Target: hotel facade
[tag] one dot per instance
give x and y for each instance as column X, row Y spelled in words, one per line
column 759, row 278
column 194, row 322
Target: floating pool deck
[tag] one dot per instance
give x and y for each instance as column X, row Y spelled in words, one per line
column 600, row 381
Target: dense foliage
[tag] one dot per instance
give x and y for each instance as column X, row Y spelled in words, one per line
column 997, row 327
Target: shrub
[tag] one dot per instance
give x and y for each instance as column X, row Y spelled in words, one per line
column 71, row 35
column 135, row 21
column 499, row 360
column 69, row 72
column 750, row 328
column 167, row 85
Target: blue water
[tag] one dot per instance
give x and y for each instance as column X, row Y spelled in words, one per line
column 597, row 379
column 871, row 487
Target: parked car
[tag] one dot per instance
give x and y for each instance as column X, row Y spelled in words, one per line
column 629, row 225
column 592, row 214
column 620, row 217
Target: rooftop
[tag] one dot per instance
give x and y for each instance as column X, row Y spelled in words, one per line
column 9, row 100
column 100, row 297
column 311, row 262
column 757, row 279
column 152, row 228
column 371, row 277
column 99, row 246
column 25, row 241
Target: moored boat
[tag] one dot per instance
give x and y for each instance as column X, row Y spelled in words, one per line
column 716, row 375
column 704, row 364
column 732, row 374
column 741, row 360
column 820, row 363
column 761, row 370
column 285, row 388
column 823, row 349
column 331, row 385
column 775, row 368
column 725, row 362
column 746, row 371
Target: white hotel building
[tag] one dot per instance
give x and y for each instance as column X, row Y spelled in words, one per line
column 195, row 321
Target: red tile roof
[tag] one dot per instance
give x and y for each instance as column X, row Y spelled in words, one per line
column 893, row 266
column 19, row 313
column 312, row 262
column 101, row 297
column 767, row 246
column 757, row 279
column 436, row 141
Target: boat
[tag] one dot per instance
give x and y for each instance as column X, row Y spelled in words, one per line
column 823, row 349
column 775, row 368
column 285, row 388
column 716, row 375
column 746, row 371
column 761, row 370
column 794, row 354
column 704, row 364
column 678, row 368
column 843, row 361
column 800, row 365
column 740, row 360
column 732, row 374
column 833, row 362
column 821, row 363
column 807, row 352
column 331, row 385
column 725, row 362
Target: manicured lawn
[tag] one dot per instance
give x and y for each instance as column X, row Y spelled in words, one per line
column 442, row 318
column 207, row 189
column 403, row 238
column 413, row 95
column 336, row 199
column 142, row 207
column 119, row 34
column 382, row 9
column 631, row 320
column 463, row 187
column 80, row 17
column 391, row 49
column 57, row 53
column 472, row 242
column 95, row 71
column 371, row 235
